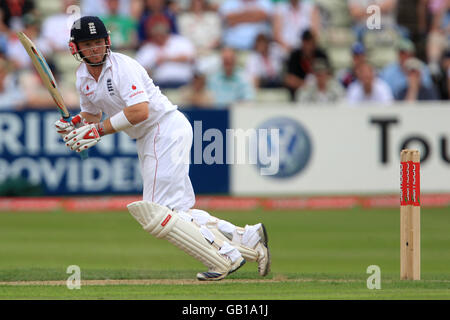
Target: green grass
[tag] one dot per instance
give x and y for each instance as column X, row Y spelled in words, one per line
column 315, row 255
column 233, row 291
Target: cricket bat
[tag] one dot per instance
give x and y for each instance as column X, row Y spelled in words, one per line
column 47, row 78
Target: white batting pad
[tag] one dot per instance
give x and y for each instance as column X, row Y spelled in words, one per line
column 164, row 223
column 201, row 217
column 207, row 234
column 230, row 251
column 251, row 237
column 226, row 231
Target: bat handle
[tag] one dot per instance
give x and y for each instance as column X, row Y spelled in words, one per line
column 84, row 154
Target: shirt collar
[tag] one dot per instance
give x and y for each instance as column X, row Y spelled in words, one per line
column 83, row 71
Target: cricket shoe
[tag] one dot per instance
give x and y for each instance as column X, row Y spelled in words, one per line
column 263, row 252
column 213, row 275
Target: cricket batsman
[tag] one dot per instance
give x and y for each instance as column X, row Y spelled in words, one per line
column 117, row 86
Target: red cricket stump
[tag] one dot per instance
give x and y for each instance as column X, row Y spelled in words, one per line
column 410, row 215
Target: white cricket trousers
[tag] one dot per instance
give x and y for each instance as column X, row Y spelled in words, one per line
column 164, row 159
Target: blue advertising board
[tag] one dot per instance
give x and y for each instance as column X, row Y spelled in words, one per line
column 31, row 150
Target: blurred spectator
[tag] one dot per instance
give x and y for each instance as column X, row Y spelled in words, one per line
column 62, row 22
column 202, row 26
column 196, row 93
column 395, row 75
column 438, row 39
column 442, row 79
column 11, row 95
column 3, row 45
column 359, row 14
column 348, row 76
column 11, row 13
column 422, row 23
column 265, row 63
column 36, row 95
column 229, row 84
column 153, row 9
column 446, row 69
column 33, row 90
column 243, row 20
column 17, row 53
column 368, row 87
column 184, row 5
column 415, row 91
column 167, row 57
column 179, row 6
column 300, row 61
column 132, row 8
column 321, row 87
column 411, row 15
column 291, row 18
column 123, row 28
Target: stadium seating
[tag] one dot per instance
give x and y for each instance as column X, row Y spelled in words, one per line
column 67, row 66
column 335, row 13
column 381, row 46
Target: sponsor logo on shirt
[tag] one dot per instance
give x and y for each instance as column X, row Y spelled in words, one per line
column 134, row 94
column 88, row 93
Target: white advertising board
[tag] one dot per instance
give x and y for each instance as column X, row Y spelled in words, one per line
column 341, row 150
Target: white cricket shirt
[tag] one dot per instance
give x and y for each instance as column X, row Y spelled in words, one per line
column 122, row 83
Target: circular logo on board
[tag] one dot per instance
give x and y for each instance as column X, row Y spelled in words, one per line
column 292, row 146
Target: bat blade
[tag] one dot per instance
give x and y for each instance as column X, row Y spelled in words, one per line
column 47, row 77
column 45, row 73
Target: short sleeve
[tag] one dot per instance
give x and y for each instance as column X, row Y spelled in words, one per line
column 132, row 89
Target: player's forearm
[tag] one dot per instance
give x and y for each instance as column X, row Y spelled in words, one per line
column 89, row 117
column 125, row 119
column 137, row 113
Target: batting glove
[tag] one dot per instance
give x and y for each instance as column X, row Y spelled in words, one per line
column 64, row 127
column 82, row 138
